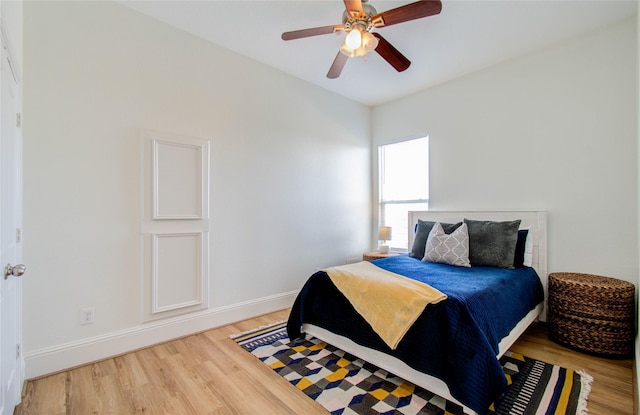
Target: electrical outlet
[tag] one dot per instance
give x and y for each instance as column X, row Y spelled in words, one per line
column 87, row 315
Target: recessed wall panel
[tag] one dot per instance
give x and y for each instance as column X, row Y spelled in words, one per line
column 177, row 271
column 179, row 180
column 175, row 224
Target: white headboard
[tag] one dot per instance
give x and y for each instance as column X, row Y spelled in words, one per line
column 534, row 220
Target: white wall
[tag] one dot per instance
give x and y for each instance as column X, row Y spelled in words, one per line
column 290, row 181
column 554, row 130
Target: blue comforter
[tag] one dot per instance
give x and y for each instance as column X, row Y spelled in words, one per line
column 455, row 340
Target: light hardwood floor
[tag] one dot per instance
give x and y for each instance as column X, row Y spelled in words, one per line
column 207, row 373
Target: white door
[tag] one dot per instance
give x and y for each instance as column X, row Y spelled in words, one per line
column 11, row 360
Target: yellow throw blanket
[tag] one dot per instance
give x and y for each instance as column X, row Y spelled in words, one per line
column 389, row 302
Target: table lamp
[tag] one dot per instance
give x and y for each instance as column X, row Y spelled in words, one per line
column 384, row 235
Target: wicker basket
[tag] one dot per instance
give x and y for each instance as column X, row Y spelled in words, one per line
column 591, row 313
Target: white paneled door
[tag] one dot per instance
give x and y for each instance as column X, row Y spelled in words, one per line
column 11, row 269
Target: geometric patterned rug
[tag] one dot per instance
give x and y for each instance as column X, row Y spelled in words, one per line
column 345, row 384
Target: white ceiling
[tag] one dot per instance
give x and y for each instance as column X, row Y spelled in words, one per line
column 466, row 36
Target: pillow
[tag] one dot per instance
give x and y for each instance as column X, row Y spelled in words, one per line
column 450, row 249
column 518, row 260
column 528, row 251
column 423, row 228
column 492, row 244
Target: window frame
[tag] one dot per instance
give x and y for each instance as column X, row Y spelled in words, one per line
column 383, row 203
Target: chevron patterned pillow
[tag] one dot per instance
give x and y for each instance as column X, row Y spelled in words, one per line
column 452, row 249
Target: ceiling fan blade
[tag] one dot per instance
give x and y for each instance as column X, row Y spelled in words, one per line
column 336, row 67
column 411, row 11
column 354, row 8
column 391, row 54
column 315, row 31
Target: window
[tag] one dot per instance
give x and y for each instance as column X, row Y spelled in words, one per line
column 404, row 185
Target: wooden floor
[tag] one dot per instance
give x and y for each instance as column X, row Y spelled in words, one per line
column 208, row 373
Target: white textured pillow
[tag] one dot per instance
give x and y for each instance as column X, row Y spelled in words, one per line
column 452, row 249
column 528, row 250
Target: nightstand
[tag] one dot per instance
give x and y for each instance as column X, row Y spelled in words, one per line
column 370, row 256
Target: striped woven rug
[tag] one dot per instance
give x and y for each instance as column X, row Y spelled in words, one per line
column 344, row 384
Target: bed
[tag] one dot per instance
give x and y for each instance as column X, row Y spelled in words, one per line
column 452, row 347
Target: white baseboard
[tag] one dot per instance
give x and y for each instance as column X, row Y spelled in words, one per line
column 57, row 358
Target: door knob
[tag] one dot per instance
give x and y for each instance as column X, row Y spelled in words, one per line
column 15, row 270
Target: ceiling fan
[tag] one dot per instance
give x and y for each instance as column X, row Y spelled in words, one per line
column 358, row 20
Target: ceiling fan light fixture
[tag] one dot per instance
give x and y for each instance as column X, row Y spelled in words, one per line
column 344, row 49
column 354, row 39
column 369, row 43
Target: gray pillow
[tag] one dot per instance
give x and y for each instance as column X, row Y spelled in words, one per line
column 492, row 244
column 452, row 249
column 423, row 228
